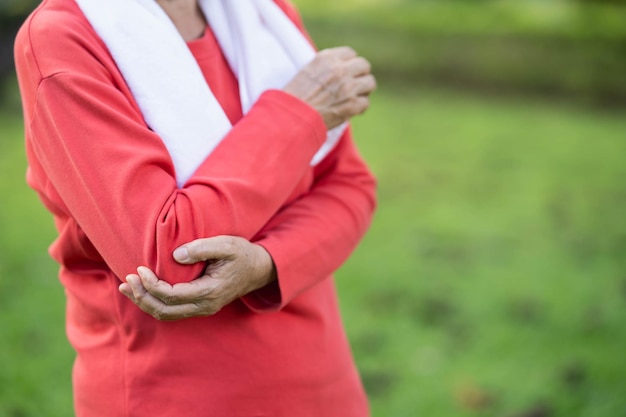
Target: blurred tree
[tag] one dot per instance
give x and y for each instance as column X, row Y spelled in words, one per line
column 621, row 2
column 12, row 14
column 17, row 7
column 564, row 47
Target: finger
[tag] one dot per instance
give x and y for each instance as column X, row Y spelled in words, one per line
column 161, row 311
column 365, row 84
column 154, row 305
column 154, row 286
column 201, row 250
column 157, row 308
column 359, row 66
column 182, row 311
column 137, row 288
column 125, row 289
column 356, row 105
column 181, row 293
column 345, row 52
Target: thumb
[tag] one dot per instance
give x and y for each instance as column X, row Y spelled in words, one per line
column 210, row 248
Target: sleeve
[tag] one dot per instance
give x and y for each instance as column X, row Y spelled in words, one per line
column 312, row 237
column 117, row 180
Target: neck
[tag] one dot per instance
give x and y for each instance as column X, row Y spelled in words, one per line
column 186, row 16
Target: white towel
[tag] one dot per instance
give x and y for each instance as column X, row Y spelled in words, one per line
column 263, row 47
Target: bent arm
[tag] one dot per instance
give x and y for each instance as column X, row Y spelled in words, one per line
column 309, row 239
column 117, row 180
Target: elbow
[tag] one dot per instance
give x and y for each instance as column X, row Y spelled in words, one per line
column 176, row 225
column 167, row 269
column 185, row 217
column 158, row 256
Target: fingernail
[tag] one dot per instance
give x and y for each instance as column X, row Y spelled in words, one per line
column 181, row 254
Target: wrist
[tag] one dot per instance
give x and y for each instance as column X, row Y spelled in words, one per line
column 265, row 268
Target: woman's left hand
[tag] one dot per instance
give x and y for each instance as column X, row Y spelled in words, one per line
column 235, row 267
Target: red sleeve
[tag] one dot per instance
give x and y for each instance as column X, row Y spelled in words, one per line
column 312, row 237
column 115, row 177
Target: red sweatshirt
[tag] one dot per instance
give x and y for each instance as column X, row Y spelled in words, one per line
column 109, row 182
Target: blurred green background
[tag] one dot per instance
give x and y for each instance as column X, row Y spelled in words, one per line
column 493, row 280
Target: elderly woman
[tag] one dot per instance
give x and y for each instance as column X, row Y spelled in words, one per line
column 204, row 141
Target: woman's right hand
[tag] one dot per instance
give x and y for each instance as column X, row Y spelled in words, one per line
column 235, row 267
column 336, row 83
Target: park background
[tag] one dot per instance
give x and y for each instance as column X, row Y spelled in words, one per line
column 493, row 279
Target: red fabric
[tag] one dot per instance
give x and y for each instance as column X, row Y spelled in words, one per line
column 109, row 182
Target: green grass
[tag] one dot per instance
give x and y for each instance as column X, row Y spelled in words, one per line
column 493, row 277
column 35, row 358
column 491, row 283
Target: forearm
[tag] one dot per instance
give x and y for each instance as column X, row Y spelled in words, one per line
column 312, row 237
column 118, row 183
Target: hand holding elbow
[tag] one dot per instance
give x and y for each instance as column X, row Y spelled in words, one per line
column 235, row 267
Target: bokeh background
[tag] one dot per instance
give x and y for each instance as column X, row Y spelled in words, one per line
column 493, row 280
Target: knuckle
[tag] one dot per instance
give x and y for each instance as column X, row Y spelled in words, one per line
column 229, row 244
column 322, row 58
column 140, row 298
column 327, row 76
column 234, row 241
column 168, row 299
column 345, row 90
column 204, row 294
column 209, row 295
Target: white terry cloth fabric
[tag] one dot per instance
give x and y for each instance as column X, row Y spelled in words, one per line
column 262, row 45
